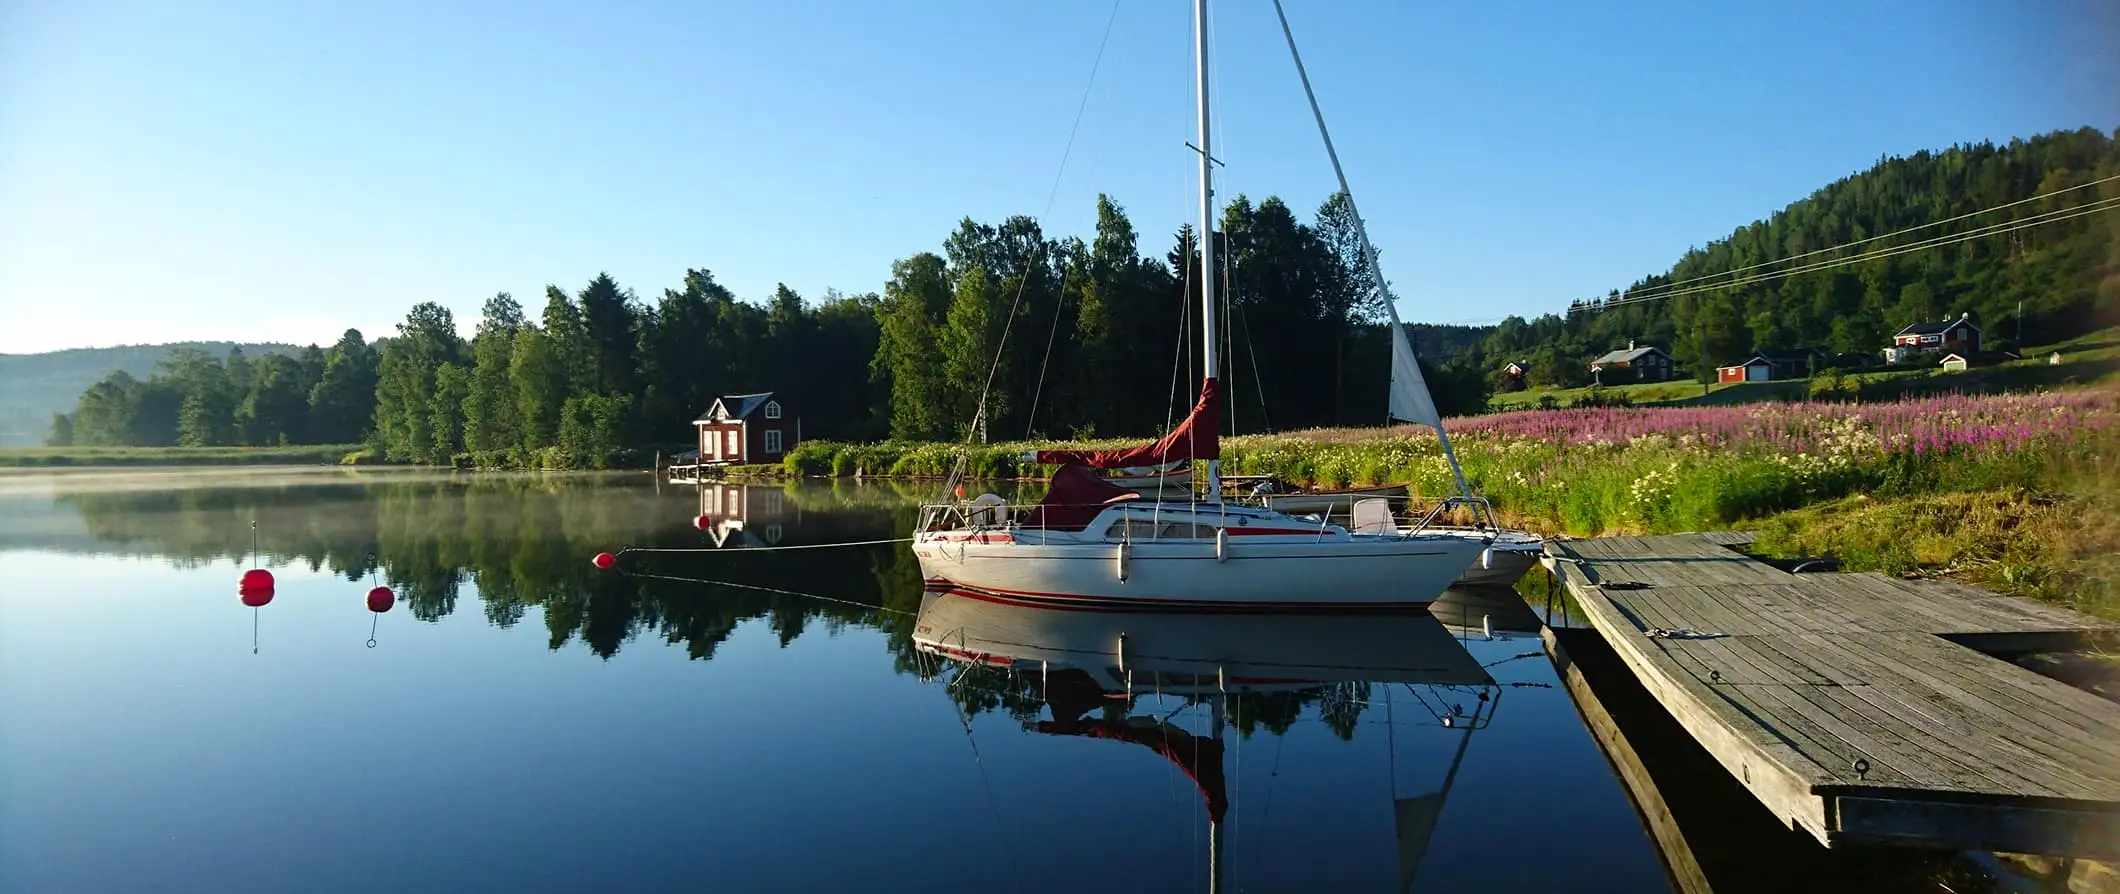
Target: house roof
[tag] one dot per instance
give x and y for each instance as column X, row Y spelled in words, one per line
column 1935, row 328
column 736, row 405
column 1630, row 355
column 1753, row 360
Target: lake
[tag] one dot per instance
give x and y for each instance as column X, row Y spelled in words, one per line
column 729, row 715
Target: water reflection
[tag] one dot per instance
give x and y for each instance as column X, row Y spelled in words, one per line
column 1172, row 684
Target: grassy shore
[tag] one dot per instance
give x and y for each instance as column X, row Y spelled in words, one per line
column 2018, row 492
column 313, row 454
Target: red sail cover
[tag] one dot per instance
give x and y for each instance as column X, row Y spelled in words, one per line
column 1077, row 495
column 1198, row 437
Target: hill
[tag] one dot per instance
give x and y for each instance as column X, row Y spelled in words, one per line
column 1786, row 281
column 34, row 386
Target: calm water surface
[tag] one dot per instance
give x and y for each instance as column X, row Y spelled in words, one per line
column 740, row 720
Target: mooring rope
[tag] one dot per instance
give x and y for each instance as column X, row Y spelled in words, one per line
column 762, row 589
column 756, row 549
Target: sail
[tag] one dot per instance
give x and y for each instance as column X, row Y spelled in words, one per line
column 1410, row 401
column 1198, row 437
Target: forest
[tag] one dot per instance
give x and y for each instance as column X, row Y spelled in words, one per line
column 1075, row 337
column 2030, row 286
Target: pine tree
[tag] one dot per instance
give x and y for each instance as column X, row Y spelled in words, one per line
column 342, row 403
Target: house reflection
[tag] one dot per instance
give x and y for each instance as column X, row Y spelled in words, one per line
column 740, row 516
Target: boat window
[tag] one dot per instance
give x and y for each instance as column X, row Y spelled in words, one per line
column 1131, row 529
column 1186, row 531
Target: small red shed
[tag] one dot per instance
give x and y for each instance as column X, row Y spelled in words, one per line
column 747, row 429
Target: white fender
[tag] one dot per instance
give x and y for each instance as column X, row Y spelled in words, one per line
column 1119, row 562
column 1487, row 558
column 1221, row 544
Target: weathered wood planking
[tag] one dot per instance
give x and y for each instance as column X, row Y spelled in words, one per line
column 1851, row 705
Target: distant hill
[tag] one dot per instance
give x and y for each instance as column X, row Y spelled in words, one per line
column 34, row 386
column 2032, row 262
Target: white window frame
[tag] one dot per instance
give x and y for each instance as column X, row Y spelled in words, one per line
column 772, row 440
column 772, row 409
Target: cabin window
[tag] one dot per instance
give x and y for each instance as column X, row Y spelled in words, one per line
column 773, row 441
column 772, row 409
column 735, row 447
column 1131, row 529
column 1185, row 531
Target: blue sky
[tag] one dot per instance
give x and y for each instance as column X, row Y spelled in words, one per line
column 280, row 171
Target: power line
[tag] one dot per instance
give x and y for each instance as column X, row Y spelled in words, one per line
column 1893, row 251
column 1901, row 232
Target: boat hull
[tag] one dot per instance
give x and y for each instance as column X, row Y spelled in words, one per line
column 1503, row 569
column 1343, row 573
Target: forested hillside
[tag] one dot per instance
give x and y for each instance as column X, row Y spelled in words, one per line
column 1074, row 336
column 34, row 386
column 1745, row 291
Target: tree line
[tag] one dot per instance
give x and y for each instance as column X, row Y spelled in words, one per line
column 1063, row 337
column 2023, row 287
column 194, row 399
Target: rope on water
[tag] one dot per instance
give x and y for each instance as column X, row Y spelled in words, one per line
column 757, row 549
column 730, row 583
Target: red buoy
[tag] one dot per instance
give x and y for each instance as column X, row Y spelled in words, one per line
column 256, row 579
column 380, row 599
column 703, row 522
column 604, row 561
column 256, row 597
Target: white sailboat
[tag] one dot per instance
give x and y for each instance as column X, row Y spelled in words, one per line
column 1093, row 544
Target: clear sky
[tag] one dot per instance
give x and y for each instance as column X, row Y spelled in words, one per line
column 280, row 171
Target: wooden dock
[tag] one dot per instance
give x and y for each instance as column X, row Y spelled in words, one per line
column 1859, row 707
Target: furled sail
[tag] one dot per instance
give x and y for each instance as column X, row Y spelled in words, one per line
column 1410, row 400
column 1198, row 437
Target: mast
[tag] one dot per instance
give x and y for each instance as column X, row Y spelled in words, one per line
column 1210, row 361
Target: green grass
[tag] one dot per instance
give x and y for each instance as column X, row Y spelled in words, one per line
column 309, row 454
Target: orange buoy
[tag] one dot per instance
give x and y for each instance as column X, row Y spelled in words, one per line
column 256, row 579
column 703, row 522
column 381, row 599
column 604, row 561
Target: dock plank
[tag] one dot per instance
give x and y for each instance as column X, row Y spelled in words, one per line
column 1837, row 700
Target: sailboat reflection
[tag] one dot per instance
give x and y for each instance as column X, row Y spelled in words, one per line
column 1083, row 664
column 1493, row 612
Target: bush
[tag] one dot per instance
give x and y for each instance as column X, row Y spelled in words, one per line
column 812, row 459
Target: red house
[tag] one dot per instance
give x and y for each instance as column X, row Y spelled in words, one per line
column 746, row 429
column 1769, row 364
column 1957, row 336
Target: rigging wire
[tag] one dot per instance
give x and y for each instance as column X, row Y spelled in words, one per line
column 2088, row 208
column 979, row 421
column 1030, row 419
column 1008, row 846
column 1899, row 232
